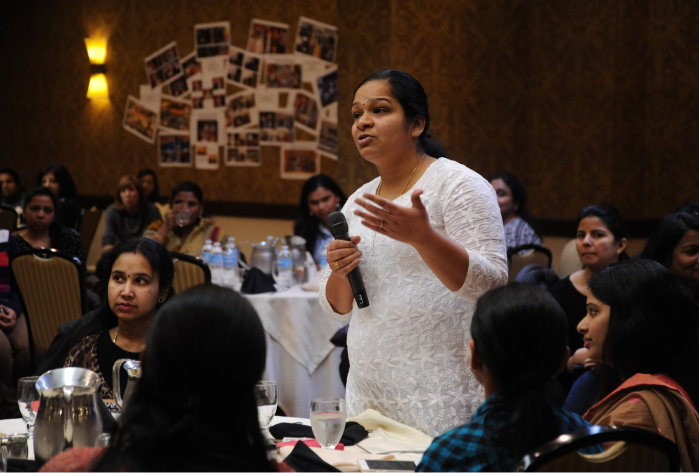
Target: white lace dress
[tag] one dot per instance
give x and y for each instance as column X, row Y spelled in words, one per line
column 409, row 349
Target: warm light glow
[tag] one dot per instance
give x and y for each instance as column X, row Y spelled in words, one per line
column 96, row 50
column 98, row 87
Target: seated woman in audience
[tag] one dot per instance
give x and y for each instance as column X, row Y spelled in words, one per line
column 320, row 196
column 642, row 329
column 42, row 229
column 15, row 357
column 173, row 400
column 139, row 281
column 58, row 179
column 517, row 415
column 512, row 200
column 601, row 240
column 151, row 189
column 129, row 215
column 675, row 244
column 184, row 229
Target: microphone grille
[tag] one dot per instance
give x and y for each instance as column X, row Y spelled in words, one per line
column 337, row 223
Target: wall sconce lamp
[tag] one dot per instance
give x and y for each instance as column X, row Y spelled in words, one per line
column 97, row 52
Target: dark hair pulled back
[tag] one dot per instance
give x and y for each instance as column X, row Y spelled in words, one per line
column 412, row 97
column 155, row 195
column 611, row 218
column 188, row 186
column 66, row 184
column 508, row 321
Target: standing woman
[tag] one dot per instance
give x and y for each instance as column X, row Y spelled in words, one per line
column 512, row 200
column 431, row 236
column 320, row 196
column 57, row 178
column 129, row 215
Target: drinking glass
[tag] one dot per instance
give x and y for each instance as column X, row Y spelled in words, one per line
column 28, row 400
column 328, row 417
column 102, row 440
column 266, row 394
column 182, row 217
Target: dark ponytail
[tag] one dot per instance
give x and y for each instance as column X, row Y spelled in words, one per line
column 509, row 321
column 411, row 96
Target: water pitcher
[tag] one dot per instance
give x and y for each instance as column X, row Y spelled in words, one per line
column 133, row 369
column 264, row 256
column 68, row 413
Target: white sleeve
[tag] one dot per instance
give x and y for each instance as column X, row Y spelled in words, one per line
column 472, row 219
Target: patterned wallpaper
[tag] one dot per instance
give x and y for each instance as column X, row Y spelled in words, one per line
column 585, row 100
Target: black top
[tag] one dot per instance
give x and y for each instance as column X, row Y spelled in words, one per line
column 68, row 213
column 574, row 305
column 108, row 353
column 63, row 239
column 120, row 226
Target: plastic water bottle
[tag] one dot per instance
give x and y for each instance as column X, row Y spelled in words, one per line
column 206, row 252
column 216, row 264
column 285, row 268
column 230, row 264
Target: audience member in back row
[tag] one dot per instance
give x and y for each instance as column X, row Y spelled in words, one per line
column 43, row 230
column 58, row 179
column 151, row 189
column 140, row 273
column 129, row 215
column 12, row 192
column 184, row 228
column 641, row 328
column 512, row 200
column 675, row 245
column 320, row 196
column 517, row 415
column 173, row 398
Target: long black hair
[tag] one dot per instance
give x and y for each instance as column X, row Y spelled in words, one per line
column 652, row 324
column 66, row 184
column 205, row 351
column 412, row 97
column 306, row 225
column 511, row 320
column 155, row 195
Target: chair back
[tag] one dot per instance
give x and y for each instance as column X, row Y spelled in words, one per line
column 52, row 291
column 570, row 260
column 523, row 255
column 635, row 450
column 88, row 226
column 189, row 271
column 8, row 218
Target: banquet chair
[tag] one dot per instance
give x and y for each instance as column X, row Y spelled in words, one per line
column 51, row 289
column 570, row 260
column 634, row 450
column 189, row 271
column 88, row 226
column 8, row 218
column 523, row 255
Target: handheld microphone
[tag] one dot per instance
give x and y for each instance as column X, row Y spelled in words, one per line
column 338, row 227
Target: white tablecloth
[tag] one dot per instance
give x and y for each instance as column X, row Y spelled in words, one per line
column 17, row 426
column 300, row 357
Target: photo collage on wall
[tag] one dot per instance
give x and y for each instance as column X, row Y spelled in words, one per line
column 221, row 104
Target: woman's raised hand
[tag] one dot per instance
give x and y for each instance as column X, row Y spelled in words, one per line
column 406, row 224
column 343, row 256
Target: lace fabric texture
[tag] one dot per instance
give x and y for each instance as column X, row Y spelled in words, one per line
column 409, row 349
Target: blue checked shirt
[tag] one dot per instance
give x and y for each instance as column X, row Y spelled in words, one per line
column 466, row 448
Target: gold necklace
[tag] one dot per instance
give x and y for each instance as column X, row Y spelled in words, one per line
column 116, row 335
column 378, row 189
